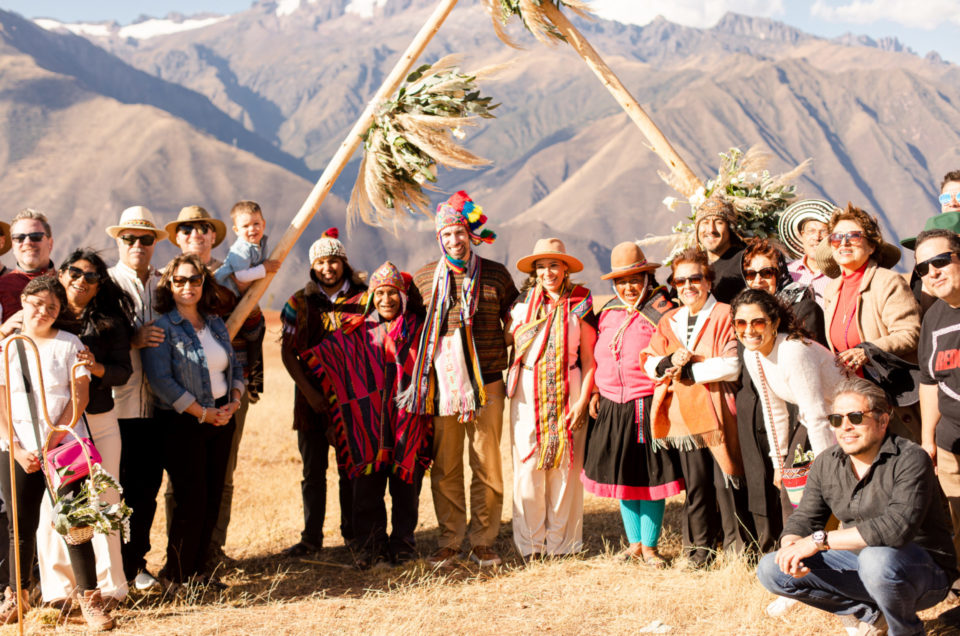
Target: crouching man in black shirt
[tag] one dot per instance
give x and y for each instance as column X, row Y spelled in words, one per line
column 893, row 555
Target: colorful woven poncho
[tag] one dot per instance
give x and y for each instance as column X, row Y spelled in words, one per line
column 360, row 370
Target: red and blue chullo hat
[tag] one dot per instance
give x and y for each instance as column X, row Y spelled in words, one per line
column 460, row 209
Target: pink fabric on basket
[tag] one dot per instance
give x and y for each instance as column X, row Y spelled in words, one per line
column 67, row 463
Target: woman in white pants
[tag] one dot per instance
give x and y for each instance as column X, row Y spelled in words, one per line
column 550, row 381
column 98, row 311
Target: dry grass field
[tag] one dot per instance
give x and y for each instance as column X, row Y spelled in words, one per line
column 594, row 593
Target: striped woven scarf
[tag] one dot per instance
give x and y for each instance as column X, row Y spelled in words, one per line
column 419, row 397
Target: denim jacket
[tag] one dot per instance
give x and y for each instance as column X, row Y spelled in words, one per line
column 177, row 368
column 242, row 255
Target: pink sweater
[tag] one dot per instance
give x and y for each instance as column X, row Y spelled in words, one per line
column 622, row 380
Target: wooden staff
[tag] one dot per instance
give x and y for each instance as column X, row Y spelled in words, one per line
column 339, row 161
column 687, row 180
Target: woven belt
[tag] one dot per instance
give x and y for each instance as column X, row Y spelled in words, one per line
column 528, row 368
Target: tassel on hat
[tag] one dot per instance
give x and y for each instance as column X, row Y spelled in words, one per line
column 460, row 209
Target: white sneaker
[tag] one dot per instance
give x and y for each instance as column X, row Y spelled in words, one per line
column 781, row 606
column 145, row 582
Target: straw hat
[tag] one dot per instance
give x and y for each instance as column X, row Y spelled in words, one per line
column 795, row 215
column 886, row 255
column 193, row 214
column 549, row 248
column 627, row 258
column 136, row 218
column 946, row 221
column 7, row 241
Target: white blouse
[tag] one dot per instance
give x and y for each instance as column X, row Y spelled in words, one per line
column 218, row 360
column 57, row 356
column 801, row 373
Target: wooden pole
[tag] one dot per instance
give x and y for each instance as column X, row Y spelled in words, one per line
column 659, row 144
column 339, row 161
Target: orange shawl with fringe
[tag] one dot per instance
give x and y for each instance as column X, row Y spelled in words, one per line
column 688, row 415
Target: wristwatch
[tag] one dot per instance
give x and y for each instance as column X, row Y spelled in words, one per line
column 820, row 540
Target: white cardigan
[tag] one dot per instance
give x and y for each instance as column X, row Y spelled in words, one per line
column 801, row 373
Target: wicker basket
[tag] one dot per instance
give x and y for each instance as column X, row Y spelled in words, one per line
column 79, row 535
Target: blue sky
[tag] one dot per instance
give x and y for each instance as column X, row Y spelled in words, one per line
column 920, row 24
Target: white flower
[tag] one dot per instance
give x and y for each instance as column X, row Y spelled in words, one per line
column 419, row 178
column 697, row 199
column 459, row 133
column 671, row 203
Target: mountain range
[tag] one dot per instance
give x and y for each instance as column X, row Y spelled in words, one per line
column 211, row 109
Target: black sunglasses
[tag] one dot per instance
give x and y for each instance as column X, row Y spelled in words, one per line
column 181, row 281
column 939, row 261
column 187, row 228
column 696, row 279
column 35, row 237
column 855, row 417
column 146, row 240
column 766, row 272
column 90, row 277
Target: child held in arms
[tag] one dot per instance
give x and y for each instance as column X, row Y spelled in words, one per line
column 245, row 263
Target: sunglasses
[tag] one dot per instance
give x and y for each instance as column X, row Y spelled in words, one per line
column 855, row 417
column 181, row 281
column 853, row 238
column 146, row 240
column 35, row 237
column 188, row 228
column 946, row 197
column 696, row 279
column 90, row 277
column 757, row 324
column 939, row 261
column 766, row 272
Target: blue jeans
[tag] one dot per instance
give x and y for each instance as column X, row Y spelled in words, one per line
column 895, row 581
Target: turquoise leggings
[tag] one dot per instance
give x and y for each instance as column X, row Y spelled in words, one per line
column 642, row 520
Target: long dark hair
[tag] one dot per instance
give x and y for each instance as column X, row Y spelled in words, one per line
column 210, row 302
column 111, row 307
column 774, row 309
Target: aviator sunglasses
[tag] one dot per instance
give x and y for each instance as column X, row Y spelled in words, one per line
column 853, row 238
column 946, row 197
column 939, row 261
column 146, row 240
column 855, row 417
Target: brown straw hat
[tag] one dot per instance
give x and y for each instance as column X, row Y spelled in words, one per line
column 887, row 255
column 194, row 214
column 136, row 218
column 627, row 258
column 549, row 248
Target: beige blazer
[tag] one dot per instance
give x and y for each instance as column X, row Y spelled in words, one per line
column 887, row 314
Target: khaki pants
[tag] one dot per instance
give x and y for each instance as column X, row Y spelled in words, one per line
column 486, row 487
column 948, row 472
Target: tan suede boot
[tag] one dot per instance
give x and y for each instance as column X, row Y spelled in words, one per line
column 8, row 609
column 94, row 612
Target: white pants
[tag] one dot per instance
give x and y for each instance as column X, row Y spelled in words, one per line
column 547, row 504
column 56, row 577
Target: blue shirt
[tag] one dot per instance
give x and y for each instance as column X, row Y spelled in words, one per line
column 242, row 255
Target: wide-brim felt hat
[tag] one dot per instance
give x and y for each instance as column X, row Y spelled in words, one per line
column 194, row 214
column 795, row 215
column 887, row 255
column 626, row 259
column 946, row 221
column 549, row 248
column 7, row 241
column 136, row 218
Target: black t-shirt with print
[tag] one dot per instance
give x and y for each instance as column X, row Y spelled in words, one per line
column 939, row 354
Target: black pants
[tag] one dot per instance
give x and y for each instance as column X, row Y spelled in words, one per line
column 370, row 512
column 710, row 510
column 315, row 451
column 195, row 457
column 141, row 472
column 30, row 490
